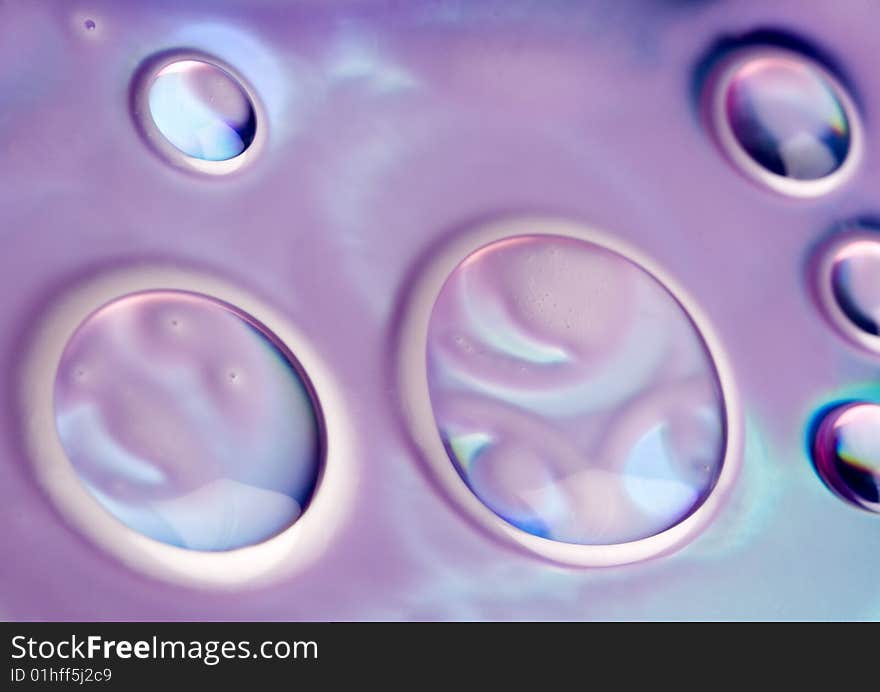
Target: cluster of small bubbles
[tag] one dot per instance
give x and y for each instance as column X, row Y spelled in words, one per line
column 788, row 117
column 846, row 452
column 202, row 110
column 166, row 448
column 588, row 409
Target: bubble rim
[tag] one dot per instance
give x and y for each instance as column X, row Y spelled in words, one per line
column 290, row 551
column 144, row 77
column 825, row 467
column 418, row 412
column 824, row 281
column 742, row 160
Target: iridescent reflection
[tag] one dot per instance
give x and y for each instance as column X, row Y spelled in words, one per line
column 186, row 421
column 787, row 116
column 573, row 394
column 846, row 450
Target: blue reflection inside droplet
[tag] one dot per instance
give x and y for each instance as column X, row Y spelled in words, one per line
column 202, row 110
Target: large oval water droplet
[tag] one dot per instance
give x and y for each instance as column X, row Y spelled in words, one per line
column 168, row 441
column 846, row 450
column 572, row 392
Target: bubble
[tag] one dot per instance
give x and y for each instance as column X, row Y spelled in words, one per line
column 855, row 278
column 846, row 451
column 786, row 120
column 201, row 109
column 187, row 421
column 572, row 392
column 848, row 284
column 787, row 117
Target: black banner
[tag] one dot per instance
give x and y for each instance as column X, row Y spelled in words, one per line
column 131, row 656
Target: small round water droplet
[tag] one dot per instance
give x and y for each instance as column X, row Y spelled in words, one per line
column 786, row 121
column 788, row 118
column 90, row 24
column 849, row 285
column 197, row 112
column 855, row 280
column 202, row 110
column 591, row 411
column 169, row 448
column 846, row 450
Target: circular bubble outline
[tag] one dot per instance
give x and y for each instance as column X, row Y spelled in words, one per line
column 825, row 288
column 738, row 155
column 825, row 467
column 140, row 99
column 418, row 412
column 287, row 552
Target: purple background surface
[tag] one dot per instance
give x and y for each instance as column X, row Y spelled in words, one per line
column 394, row 126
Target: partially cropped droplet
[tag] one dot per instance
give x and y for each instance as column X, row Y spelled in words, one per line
column 787, row 117
column 167, row 442
column 202, row 110
column 846, row 450
column 574, row 395
column 855, row 278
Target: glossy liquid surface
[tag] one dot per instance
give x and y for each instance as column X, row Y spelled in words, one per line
column 187, row 422
column 572, row 392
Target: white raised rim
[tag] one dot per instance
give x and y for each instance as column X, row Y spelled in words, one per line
column 287, row 552
column 419, row 414
column 825, row 287
column 743, row 160
column 140, row 98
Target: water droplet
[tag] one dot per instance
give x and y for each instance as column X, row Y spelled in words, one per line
column 846, row 451
column 847, row 276
column 202, row 110
column 785, row 119
column 855, row 278
column 592, row 417
column 170, row 450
